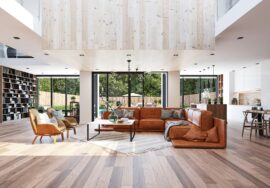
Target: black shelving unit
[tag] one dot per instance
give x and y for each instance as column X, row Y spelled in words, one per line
column 19, row 91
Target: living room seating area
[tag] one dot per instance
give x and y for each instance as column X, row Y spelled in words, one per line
column 181, row 136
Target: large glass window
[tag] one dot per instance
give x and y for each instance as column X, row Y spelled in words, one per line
column 44, row 95
column 118, row 90
column 152, row 90
column 197, row 89
column 61, row 93
column 136, row 89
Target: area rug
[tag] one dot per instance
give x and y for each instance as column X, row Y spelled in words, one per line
column 120, row 142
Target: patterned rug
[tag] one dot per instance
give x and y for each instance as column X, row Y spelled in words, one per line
column 120, row 142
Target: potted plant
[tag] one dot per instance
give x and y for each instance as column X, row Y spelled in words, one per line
column 41, row 109
column 220, row 100
column 215, row 101
column 73, row 98
column 209, row 101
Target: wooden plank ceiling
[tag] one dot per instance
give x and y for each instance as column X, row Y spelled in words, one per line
column 129, row 24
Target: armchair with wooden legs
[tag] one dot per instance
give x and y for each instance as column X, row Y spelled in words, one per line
column 69, row 121
column 48, row 129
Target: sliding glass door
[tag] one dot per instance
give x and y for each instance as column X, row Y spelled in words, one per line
column 193, row 89
column 135, row 89
column 58, row 92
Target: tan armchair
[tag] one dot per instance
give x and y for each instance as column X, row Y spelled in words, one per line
column 48, row 129
column 69, row 121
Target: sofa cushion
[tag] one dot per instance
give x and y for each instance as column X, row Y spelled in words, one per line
column 178, row 114
column 154, row 124
column 195, row 134
column 190, row 115
column 166, row 114
column 128, row 113
column 178, row 132
column 150, row 113
column 212, row 135
column 196, row 117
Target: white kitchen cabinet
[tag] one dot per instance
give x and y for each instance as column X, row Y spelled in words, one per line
column 248, row 79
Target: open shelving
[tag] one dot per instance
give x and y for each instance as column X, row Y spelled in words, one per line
column 18, row 93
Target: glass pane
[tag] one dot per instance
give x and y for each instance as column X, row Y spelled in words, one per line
column 44, row 95
column 136, row 90
column 59, row 94
column 191, row 91
column 152, row 90
column 73, row 96
column 118, row 90
column 102, row 80
column 209, row 83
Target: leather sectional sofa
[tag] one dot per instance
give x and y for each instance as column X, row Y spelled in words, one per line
column 149, row 119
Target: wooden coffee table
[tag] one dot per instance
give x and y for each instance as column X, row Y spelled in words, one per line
column 99, row 122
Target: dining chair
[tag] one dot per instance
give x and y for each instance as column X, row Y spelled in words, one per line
column 258, row 123
column 246, row 122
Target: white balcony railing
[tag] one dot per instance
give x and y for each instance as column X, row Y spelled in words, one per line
column 223, row 6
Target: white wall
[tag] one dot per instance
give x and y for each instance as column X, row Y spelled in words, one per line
column 228, row 87
column 240, row 9
column 265, row 84
column 174, row 89
column 85, row 97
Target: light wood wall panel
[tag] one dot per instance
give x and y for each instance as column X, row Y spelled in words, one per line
column 129, row 24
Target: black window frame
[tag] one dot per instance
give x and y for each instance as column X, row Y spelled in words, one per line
column 200, row 77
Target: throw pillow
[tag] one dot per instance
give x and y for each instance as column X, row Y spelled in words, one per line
column 212, row 135
column 177, row 114
column 119, row 113
column 43, row 118
column 166, row 114
column 58, row 115
column 128, row 114
column 195, row 134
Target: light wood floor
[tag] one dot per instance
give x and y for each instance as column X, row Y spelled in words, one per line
column 81, row 164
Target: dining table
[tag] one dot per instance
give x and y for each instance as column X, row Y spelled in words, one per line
column 259, row 115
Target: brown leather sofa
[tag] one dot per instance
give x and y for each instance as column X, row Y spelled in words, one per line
column 203, row 120
column 149, row 119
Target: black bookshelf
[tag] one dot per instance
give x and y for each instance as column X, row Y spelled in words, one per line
column 19, row 91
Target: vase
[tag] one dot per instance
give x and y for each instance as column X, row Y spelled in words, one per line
column 113, row 117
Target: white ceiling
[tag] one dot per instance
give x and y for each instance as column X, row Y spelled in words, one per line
column 230, row 53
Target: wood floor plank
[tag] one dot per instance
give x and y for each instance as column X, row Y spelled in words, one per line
column 78, row 163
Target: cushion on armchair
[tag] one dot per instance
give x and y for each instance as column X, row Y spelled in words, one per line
column 58, row 115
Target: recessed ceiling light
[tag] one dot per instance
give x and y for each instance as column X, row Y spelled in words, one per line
column 200, row 71
column 97, row 69
column 42, row 73
column 257, row 63
column 175, row 55
column 66, row 68
column 208, row 67
column 240, row 38
column 244, row 67
column 161, row 69
column 212, row 54
column 17, row 38
column 185, row 70
column 81, row 54
column 27, row 67
column 128, row 55
column 46, row 54
column 195, row 63
column 233, row 70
